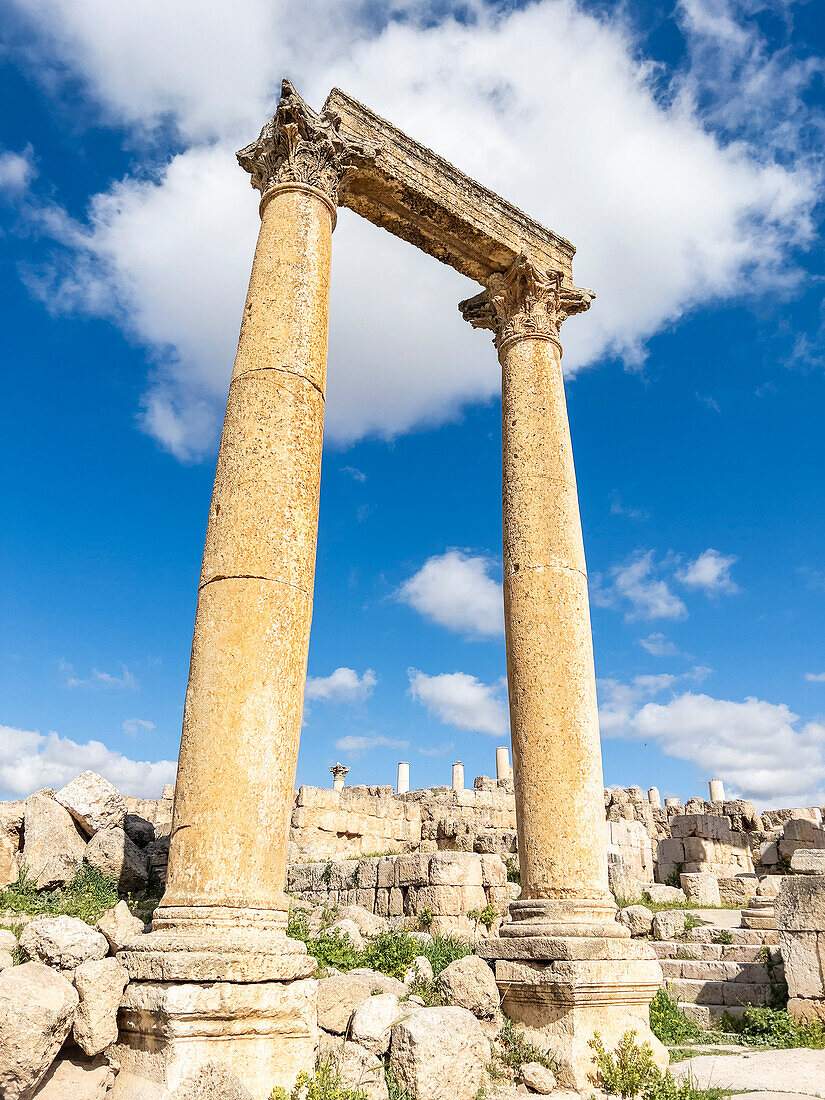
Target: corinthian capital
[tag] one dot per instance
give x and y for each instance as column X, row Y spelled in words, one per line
column 524, row 301
column 299, row 145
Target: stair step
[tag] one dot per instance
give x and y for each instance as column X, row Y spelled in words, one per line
column 710, row 1016
column 696, row 991
column 711, row 970
column 735, row 953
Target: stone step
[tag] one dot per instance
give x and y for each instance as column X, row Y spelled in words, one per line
column 709, row 1016
column 727, row 952
column 697, row 991
column 749, row 936
column 712, row 970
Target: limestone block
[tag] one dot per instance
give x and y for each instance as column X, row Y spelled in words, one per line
column 412, row 870
column 62, row 942
column 469, row 983
column 420, row 970
column 368, row 923
column 374, row 1018
column 455, row 869
column 808, row 861
column 538, row 1078
column 338, row 998
column 119, row 858
column 737, row 891
column 138, row 829
column 800, row 904
column 74, row 1077
column 100, row 984
column 395, row 904
column 703, row 889
column 440, row 1054
column 386, row 872
column 803, row 954
column 669, row 924
column 365, row 899
column 52, row 846
column 451, row 900
column 6, row 959
column 638, row 918
column 36, row 1010
column 671, row 850
column 367, row 874
column 800, row 833
column 360, row 1070
column 660, row 893
column 119, row 926
column 93, row 802
column 769, row 853
column 807, row 1010
column 493, row 871
column 349, row 929
column 212, row 1081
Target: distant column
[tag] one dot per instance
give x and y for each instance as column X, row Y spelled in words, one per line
column 403, row 782
column 503, row 769
column 458, row 776
column 654, row 798
column 673, row 803
column 339, row 774
column 717, row 790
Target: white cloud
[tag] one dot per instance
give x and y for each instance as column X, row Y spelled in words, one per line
column 635, row 582
column 17, row 170
column 99, row 678
column 437, row 750
column 344, row 685
column 456, row 590
column 168, row 252
column 711, row 573
column 354, row 473
column 815, row 677
column 762, row 750
column 617, row 508
column 657, row 645
column 357, row 746
column 133, row 726
column 30, row 760
column 460, row 700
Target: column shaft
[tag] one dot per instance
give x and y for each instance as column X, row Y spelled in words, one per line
column 553, row 712
column 244, row 701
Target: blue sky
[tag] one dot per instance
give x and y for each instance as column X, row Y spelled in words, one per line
column 677, row 145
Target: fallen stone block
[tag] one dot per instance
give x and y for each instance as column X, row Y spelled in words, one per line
column 37, row 1006
column 93, row 802
column 99, row 984
column 119, row 858
column 52, row 845
column 62, row 942
column 439, row 1054
column 119, row 925
column 469, row 983
column 73, row 1077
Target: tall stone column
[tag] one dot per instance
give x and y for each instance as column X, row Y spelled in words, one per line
column 564, row 963
column 218, row 978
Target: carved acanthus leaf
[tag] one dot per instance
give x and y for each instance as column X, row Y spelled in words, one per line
column 524, row 301
column 299, row 145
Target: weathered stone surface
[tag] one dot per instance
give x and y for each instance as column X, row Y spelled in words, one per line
column 800, row 903
column 420, row 970
column 73, row 1077
column 119, row 925
column 62, row 942
column 701, row 888
column 6, row 959
column 139, row 830
column 93, row 802
column 36, row 1010
column 638, row 918
column 118, row 857
column 338, row 998
column 100, row 984
column 470, row 983
column 360, row 1070
column 669, row 924
column 52, row 847
column 8, row 940
column 368, row 923
column 659, row 893
column 375, row 1017
column 801, row 833
column 212, row 1081
column 538, row 1078
column 349, row 929
column 808, row 861
column 439, row 1054
column 803, row 954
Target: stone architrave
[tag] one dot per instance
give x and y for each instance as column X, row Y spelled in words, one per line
column 563, row 962
column 217, row 962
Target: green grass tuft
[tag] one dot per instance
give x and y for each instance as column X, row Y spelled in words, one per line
column 88, row 895
column 772, row 1027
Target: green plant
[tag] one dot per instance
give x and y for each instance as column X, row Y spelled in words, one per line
column 725, row 936
column 88, row 895
column 486, row 916
column 691, row 922
column 443, row 950
column 297, row 927
column 424, row 918
column 392, row 952
column 334, row 949
column 326, row 874
column 665, row 1088
column 626, row 1071
column 395, row 1089
column 772, row 1027
column 325, row 1084
column 513, row 873
column 516, row 1049
column 669, row 1024
column 329, row 915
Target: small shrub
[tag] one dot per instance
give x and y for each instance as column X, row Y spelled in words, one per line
column 335, row 949
column 665, row 1088
column 297, row 927
column 771, row 1027
column 443, row 950
column 88, row 895
column 725, row 936
column 329, row 915
column 669, row 1024
column 429, row 991
column 691, row 922
column 513, row 873
column 325, row 1084
column 392, row 952
column 326, row 874
column 424, row 918
column 486, row 916
column 627, row 1071
column 518, row 1050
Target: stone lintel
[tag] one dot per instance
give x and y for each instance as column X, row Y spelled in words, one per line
column 570, row 948
column 415, row 194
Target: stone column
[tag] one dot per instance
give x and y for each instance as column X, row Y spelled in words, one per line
column 593, row 977
column 339, row 774
column 654, row 798
column 218, row 978
column 716, row 789
column 402, row 784
column 503, row 769
column 458, row 776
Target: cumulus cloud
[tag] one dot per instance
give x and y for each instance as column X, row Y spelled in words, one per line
column 30, row 760
column 637, row 582
column 358, row 745
column 344, row 685
column 762, row 750
column 657, row 645
column 17, row 170
column 710, row 573
column 99, row 678
column 815, row 677
column 456, row 590
column 167, row 251
column 133, row 726
column 461, row 700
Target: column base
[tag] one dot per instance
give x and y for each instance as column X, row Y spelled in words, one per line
column 565, row 989
column 263, row 1033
